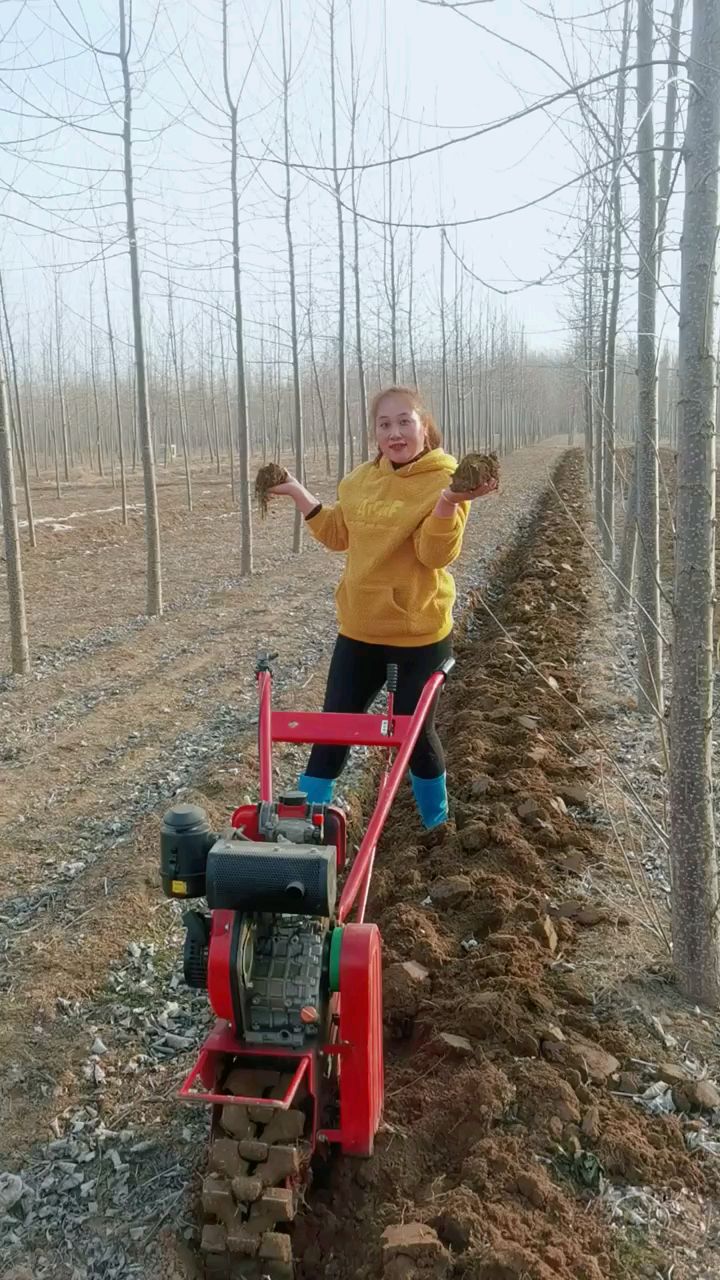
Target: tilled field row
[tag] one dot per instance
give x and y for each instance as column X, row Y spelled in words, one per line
column 504, row 1137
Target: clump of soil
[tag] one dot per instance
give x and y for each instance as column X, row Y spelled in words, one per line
column 266, row 479
column 475, row 469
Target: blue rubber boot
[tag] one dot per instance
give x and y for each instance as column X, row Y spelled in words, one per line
column 431, row 799
column 317, row 790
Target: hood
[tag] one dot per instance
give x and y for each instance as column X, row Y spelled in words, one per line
column 433, row 460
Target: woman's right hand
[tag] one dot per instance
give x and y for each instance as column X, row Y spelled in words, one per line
column 302, row 497
column 287, row 489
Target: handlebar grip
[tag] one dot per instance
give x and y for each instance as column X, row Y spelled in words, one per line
column 446, row 667
column 392, row 677
column 264, row 662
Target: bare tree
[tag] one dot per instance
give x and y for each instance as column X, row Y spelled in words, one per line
column 226, row 402
column 59, row 374
column 93, row 379
column 390, row 273
column 19, row 420
column 316, row 378
column 116, row 390
column 671, row 106
column 297, row 385
column 354, row 185
column 213, row 396
column 588, row 346
column 650, row 678
column 337, row 186
column 411, row 298
column 179, row 390
column 19, row 651
column 614, row 222
column 152, row 514
column 446, row 424
column 626, row 565
column 243, row 425
column 693, row 856
column 600, row 432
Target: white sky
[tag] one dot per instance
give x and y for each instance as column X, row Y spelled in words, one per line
column 441, row 68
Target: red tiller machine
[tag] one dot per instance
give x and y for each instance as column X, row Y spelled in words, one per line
column 294, row 1061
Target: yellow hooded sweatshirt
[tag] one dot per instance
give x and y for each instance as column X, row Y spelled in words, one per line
column 395, row 589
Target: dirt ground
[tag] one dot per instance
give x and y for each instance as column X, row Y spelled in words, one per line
column 512, row 1124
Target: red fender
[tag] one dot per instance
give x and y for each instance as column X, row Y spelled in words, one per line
column 361, row 1038
column 219, row 968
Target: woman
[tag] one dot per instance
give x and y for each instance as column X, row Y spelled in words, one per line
column 401, row 525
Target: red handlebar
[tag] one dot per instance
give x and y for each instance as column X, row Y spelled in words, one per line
column 387, row 732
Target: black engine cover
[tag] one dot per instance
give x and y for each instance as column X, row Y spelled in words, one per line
column 283, row 879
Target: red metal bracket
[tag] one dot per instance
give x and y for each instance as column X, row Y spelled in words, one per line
column 222, row 1044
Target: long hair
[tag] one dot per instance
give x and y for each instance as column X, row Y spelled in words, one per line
column 433, row 439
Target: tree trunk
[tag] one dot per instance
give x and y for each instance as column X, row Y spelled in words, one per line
column 445, row 425
column 19, row 422
column 243, row 423
column 152, row 515
column 19, row 651
column 602, row 354
column 457, row 363
column 318, row 389
column 263, row 401
column 609, row 433
column 343, row 421
column 61, row 392
column 179, row 396
column 116, row 393
column 669, row 133
column 626, row 562
column 629, row 547
column 389, row 231
column 587, row 355
column 362, row 387
column 226, row 402
column 648, row 524
column 411, row 306
column 693, row 857
column 213, row 397
column 297, row 391
column 93, row 379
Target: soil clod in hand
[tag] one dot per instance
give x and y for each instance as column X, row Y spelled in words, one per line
column 475, row 469
column 266, row 479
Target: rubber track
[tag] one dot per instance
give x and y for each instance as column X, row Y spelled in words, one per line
column 257, row 1166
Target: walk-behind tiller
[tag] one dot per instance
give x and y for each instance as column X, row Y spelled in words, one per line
column 295, row 1059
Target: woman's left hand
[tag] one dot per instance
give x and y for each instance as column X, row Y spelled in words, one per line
column 449, row 495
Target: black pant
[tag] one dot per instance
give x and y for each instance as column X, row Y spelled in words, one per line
column 357, row 674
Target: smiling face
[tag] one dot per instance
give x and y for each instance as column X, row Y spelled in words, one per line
column 399, row 428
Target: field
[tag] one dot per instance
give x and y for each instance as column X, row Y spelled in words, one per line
column 525, row 1125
